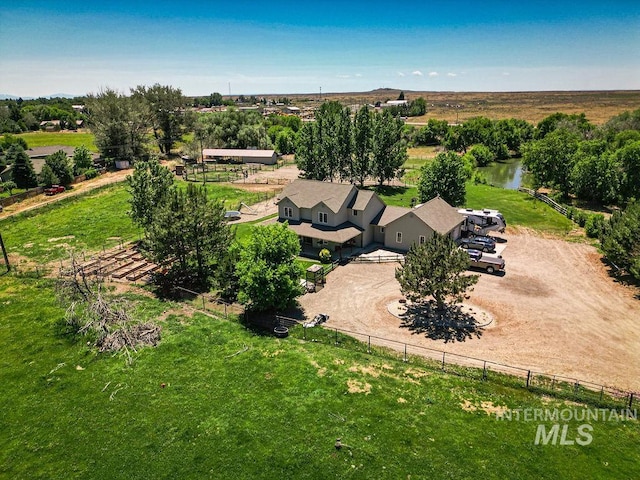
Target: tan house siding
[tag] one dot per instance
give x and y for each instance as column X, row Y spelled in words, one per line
column 288, row 204
column 410, row 227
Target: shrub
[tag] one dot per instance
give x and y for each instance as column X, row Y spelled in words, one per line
column 325, row 255
column 91, row 173
column 580, row 217
column 594, row 226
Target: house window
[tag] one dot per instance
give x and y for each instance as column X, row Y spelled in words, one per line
column 422, row 240
column 288, row 212
column 381, row 229
column 398, row 237
column 323, row 217
column 355, row 213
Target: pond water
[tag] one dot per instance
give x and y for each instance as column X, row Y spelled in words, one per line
column 507, row 174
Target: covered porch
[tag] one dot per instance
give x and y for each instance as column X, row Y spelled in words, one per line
column 341, row 241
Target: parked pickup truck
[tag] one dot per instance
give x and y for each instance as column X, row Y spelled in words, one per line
column 53, row 189
column 485, row 262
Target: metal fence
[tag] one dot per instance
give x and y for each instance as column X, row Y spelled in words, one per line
column 471, row 367
column 209, row 303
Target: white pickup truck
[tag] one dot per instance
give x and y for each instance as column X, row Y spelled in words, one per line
column 485, row 262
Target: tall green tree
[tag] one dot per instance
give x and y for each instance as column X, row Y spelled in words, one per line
column 82, row 160
column 551, row 159
column 445, row 176
column 435, row 269
column 23, row 173
column 191, row 229
column 166, row 106
column 119, row 123
column 48, row 176
column 309, row 153
column 61, row 167
column 268, row 275
column 621, row 239
column 389, row 150
column 150, row 187
column 629, row 158
column 361, row 165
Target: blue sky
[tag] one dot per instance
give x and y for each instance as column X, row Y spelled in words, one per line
column 301, row 47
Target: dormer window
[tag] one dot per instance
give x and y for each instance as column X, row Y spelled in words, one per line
column 288, row 212
column 323, row 217
column 355, row 213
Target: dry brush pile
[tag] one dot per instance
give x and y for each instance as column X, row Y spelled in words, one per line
column 93, row 311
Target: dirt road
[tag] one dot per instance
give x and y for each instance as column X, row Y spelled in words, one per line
column 556, row 311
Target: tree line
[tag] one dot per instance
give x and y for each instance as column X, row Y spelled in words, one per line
column 335, row 147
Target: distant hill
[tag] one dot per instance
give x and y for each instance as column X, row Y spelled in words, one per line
column 6, row 96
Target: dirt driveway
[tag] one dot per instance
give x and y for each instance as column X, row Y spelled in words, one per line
column 556, row 311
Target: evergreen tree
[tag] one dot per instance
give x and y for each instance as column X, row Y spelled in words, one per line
column 23, row 173
column 435, row 269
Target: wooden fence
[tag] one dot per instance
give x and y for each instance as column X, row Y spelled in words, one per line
column 543, row 198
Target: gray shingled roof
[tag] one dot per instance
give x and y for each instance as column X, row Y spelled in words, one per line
column 362, row 199
column 340, row 234
column 439, row 215
column 309, row 193
column 389, row 214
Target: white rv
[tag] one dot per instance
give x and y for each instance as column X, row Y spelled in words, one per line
column 481, row 222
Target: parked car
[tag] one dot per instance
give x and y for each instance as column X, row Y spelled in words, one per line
column 485, row 262
column 53, row 189
column 486, row 244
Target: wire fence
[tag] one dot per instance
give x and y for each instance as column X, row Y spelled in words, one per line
column 480, row 369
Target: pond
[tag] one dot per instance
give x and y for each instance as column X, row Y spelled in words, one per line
column 507, row 174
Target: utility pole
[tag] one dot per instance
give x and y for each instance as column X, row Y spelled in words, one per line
column 4, row 252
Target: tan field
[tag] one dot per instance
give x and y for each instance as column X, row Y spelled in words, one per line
column 598, row 106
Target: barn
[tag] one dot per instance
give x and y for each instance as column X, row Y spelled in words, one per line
column 238, row 155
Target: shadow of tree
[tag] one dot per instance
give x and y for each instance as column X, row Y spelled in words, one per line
column 450, row 324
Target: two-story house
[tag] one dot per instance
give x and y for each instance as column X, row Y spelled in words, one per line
column 338, row 215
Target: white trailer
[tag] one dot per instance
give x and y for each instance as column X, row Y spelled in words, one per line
column 481, row 222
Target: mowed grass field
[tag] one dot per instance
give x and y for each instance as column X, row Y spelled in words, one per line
column 519, row 209
column 70, row 139
column 92, row 221
column 240, row 405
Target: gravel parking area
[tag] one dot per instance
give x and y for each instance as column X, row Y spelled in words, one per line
column 556, row 310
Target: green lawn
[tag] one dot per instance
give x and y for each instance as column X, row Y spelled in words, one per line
column 71, row 139
column 519, row 209
column 245, row 406
column 91, row 222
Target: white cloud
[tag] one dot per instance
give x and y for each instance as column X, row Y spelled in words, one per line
column 433, row 74
column 358, row 75
column 417, row 73
column 506, row 74
column 400, row 74
column 343, row 76
column 450, row 74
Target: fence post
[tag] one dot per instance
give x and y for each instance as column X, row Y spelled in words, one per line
column 203, row 306
column 601, row 392
column 225, row 310
column 443, row 354
column 484, row 371
column 405, row 353
column 528, row 377
column 369, row 349
column 336, row 336
column 630, row 400
column 304, row 332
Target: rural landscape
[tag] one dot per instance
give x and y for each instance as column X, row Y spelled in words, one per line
column 319, row 240
column 128, row 356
